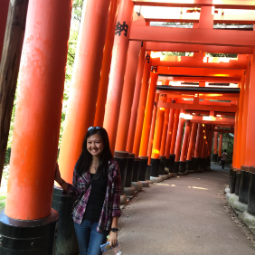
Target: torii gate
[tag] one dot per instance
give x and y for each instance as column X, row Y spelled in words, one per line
column 126, row 110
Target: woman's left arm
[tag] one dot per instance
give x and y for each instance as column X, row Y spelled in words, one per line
column 113, row 235
column 116, row 212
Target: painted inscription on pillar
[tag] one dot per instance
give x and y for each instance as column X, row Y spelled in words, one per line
column 154, row 69
column 120, row 28
column 148, row 58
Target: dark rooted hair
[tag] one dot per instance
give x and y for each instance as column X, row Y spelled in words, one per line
column 85, row 158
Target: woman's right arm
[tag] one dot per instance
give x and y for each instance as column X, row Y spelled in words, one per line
column 68, row 188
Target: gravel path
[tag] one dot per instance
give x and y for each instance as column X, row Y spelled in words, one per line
column 183, row 216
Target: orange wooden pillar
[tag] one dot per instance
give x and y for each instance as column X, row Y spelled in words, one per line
column 215, row 147
column 189, row 164
column 197, row 144
column 148, row 115
column 152, row 131
column 106, row 64
column 35, row 152
column 84, row 90
column 246, row 87
column 142, row 104
column 177, row 150
column 169, row 132
column 36, row 127
column 241, row 128
column 3, row 18
column 135, row 105
column 117, row 71
column 127, row 95
column 172, row 146
column 182, row 164
column 155, row 160
column 220, row 147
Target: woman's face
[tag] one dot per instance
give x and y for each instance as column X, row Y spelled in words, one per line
column 95, row 145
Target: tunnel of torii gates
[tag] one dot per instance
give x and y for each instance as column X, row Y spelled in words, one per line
column 162, row 113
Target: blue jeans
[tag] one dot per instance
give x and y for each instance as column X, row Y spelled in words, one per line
column 88, row 238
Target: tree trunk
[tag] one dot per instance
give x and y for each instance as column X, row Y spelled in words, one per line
column 9, row 68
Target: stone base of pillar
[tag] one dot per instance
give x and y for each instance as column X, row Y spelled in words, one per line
column 244, row 185
column 182, row 167
column 214, row 157
column 232, row 181
column 195, row 164
column 155, row 179
column 232, row 198
column 66, row 242
column 28, row 237
column 162, row 165
column 148, row 174
column 189, row 166
column 155, row 163
column 122, row 158
column 142, row 168
column 227, row 190
column 202, row 164
column 249, row 220
column 171, row 163
column 238, row 177
column 130, row 168
column 239, row 206
column 145, row 184
column 167, row 162
column 251, row 197
column 123, row 199
column 138, row 186
column 129, row 191
column 136, row 170
column 164, row 176
column 176, row 167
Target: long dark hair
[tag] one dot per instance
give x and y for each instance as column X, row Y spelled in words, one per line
column 85, row 158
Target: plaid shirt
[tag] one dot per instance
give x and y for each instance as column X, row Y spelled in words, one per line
column 111, row 206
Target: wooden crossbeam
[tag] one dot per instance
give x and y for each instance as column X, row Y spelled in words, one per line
column 208, row 119
column 193, row 36
column 222, row 4
column 217, row 108
column 181, row 47
column 199, row 71
column 198, row 61
column 224, row 131
column 199, row 78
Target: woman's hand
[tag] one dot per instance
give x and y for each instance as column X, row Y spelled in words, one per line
column 113, row 238
column 57, row 178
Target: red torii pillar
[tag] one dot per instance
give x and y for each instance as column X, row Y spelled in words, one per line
column 163, row 161
column 155, row 160
column 142, row 104
column 197, row 144
column 117, row 71
column 152, row 130
column 220, row 147
column 182, row 164
column 106, row 64
column 172, row 148
column 189, row 164
column 177, row 149
column 215, row 147
column 135, row 105
column 86, row 77
column 169, row 137
column 140, row 118
column 36, row 129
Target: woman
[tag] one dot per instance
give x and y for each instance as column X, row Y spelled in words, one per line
column 96, row 186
